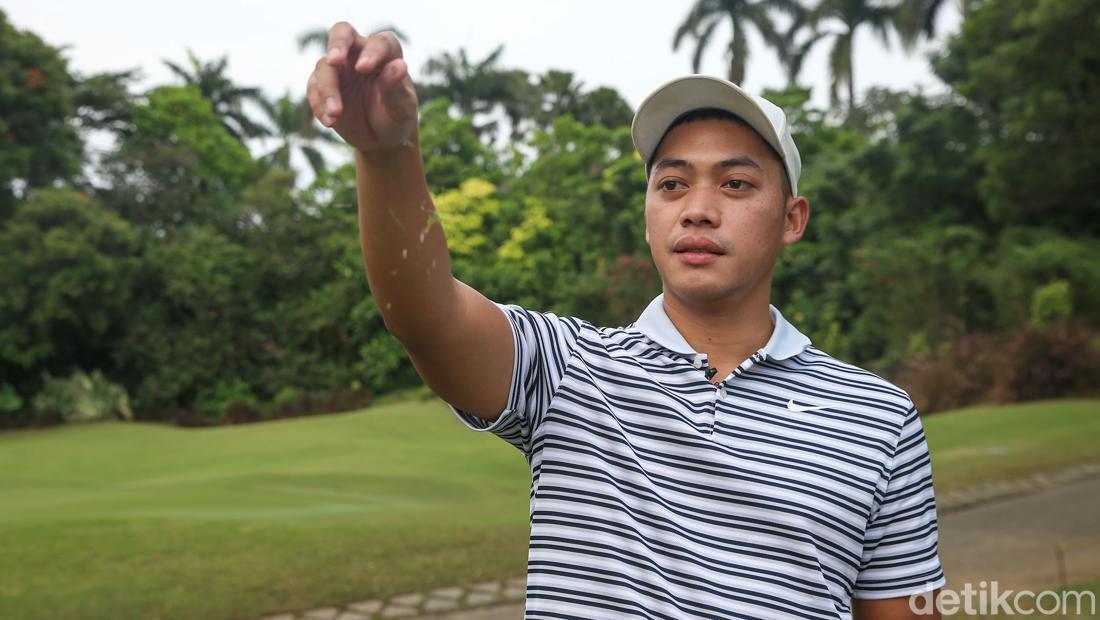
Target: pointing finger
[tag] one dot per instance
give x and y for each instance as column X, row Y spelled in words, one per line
column 378, row 49
column 341, row 37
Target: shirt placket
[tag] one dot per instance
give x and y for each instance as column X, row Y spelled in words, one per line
column 725, row 387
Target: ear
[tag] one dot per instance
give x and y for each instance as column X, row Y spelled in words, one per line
column 796, row 218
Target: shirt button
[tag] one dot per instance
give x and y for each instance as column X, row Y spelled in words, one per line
column 721, row 392
column 698, row 363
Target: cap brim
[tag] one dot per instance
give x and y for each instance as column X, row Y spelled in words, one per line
column 694, row 92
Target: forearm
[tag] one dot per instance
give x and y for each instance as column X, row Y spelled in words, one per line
column 404, row 248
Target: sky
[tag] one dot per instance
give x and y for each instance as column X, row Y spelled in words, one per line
column 622, row 44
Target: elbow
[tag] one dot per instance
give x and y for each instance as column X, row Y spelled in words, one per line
column 408, row 333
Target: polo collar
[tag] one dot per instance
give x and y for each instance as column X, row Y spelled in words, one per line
column 786, row 341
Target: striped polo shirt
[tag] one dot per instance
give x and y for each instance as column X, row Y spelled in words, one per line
column 794, row 484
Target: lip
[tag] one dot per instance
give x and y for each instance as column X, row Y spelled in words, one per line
column 697, row 250
column 697, row 244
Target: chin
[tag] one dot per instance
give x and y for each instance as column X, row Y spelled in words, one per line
column 699, row 287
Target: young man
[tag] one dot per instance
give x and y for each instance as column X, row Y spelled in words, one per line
column 706, row 461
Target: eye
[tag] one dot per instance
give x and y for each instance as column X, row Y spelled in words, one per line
column 737, row 184
column 669, row 185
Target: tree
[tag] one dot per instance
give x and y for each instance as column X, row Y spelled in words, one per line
column 560, row 93
column 917, row 18
column 1030, row 68
column 473, row 87
column 852, row 15
column 104, row 102
column 603, row 106
column 294, row 126
column 67, row 268
column 227, row 98
column 794, row 43
column 706, row 15
column 179, row 166
column 452, row 151
column 193, row 320
column 38, row 144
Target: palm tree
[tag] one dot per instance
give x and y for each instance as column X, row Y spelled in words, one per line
column 226, row 97
column 295, row 127
column 917, row 18
column 793, row 45
column 475, row 87
column 706, row 15
column 560, row 94
column 852, row 15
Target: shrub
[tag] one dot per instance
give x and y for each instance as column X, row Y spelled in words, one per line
column 212, row 402
column 1029, row 363
column 81, row 398
column 9, row 399
column 1059, row 360
column 1050, row 303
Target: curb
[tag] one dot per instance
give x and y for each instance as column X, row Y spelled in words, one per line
column 1002, row 489
column 513, row 590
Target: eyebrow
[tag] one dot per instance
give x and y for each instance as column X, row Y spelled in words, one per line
column 725, row 163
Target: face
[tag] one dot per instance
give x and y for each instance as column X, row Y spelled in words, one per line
column 716, row 212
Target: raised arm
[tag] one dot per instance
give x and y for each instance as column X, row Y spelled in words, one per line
column 458, row 340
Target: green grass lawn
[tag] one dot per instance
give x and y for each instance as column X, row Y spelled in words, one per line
column 979, row 444
column 149, row 521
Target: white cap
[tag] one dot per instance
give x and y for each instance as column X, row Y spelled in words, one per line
column 693, row 92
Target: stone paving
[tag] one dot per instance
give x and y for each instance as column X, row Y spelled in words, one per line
column 459, row 601
column 433, row 602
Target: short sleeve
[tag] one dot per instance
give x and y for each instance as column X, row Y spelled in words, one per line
column 901, row 544
column 544, row 344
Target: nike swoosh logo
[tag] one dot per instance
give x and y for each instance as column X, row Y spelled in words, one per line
column 800, row 408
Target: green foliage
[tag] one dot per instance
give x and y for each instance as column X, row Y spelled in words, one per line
column 179, row 166
column 81, row 398
column 287, row 395
column 214, row 290
column 293, row 124
column 1027, row 259
column 104, row 102
column 215, row 399
column 67, row 273
column 451, row 148
column 1030, row 69
column 225, row 97
column 193, row 319
column 37, row 143
column 9, row 399
column 1051, row 303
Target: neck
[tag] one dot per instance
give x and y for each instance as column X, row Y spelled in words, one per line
column 728, row 331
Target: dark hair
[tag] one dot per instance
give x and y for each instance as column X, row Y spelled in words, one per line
column 718, row 114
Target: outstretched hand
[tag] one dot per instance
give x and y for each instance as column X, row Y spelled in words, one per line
column 362, row 89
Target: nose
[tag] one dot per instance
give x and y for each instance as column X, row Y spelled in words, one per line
column 700, row 208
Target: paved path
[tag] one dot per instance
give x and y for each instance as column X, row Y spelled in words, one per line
column 1012, row 540
column 1009, row 540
